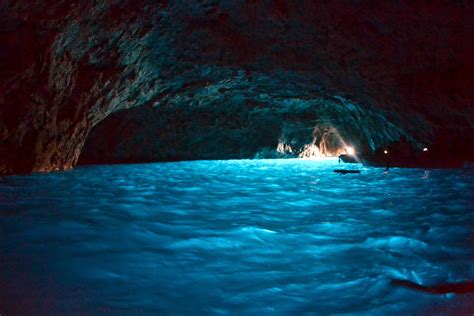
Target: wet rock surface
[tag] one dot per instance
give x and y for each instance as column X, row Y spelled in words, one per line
column 236, row 119
column 221, row 79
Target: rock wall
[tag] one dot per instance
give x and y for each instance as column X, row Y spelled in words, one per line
column 67, row 65
column 237, row 122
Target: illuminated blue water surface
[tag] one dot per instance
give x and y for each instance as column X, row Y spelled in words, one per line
column 240, row 237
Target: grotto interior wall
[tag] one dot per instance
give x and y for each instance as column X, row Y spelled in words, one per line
column 258, row 117
column 374, row 71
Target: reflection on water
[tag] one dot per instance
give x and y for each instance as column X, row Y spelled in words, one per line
column 219, row 237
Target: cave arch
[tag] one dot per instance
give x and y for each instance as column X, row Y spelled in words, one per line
column 233, row 129
column 95, row 59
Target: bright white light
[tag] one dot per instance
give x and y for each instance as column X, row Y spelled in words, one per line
column 425, row 149
column 350, row 151
column 385, row 152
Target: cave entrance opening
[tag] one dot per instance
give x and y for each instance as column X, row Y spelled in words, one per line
column 326, row 142
column 146, row 134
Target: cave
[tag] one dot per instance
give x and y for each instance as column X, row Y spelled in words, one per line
column 236, row 157
column 225, row 130
column 311, row 64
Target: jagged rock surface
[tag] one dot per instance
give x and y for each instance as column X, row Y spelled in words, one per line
column 67, row 65
column 238, row 118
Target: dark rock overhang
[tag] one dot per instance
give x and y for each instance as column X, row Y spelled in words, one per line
column 65, row 66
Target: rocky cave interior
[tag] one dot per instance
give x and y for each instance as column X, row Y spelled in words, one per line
column 138, row 81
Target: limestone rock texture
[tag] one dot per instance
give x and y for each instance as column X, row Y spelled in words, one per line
column 151, row 80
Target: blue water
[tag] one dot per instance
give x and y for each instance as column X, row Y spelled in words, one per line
column 234, row 237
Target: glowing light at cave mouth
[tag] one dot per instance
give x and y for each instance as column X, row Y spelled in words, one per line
column 283, row 148
column 326, row 143
column 310, row 151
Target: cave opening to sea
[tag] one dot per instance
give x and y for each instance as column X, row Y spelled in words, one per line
column 235, row 237
column 224, row 131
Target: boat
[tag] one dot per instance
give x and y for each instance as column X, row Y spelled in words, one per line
column 346, row 171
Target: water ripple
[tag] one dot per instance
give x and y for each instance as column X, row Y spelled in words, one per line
column 234, row 237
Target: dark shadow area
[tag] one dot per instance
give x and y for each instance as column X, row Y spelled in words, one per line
column 456, row 288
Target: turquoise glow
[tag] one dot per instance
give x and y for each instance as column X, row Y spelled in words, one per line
column 242, row 236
